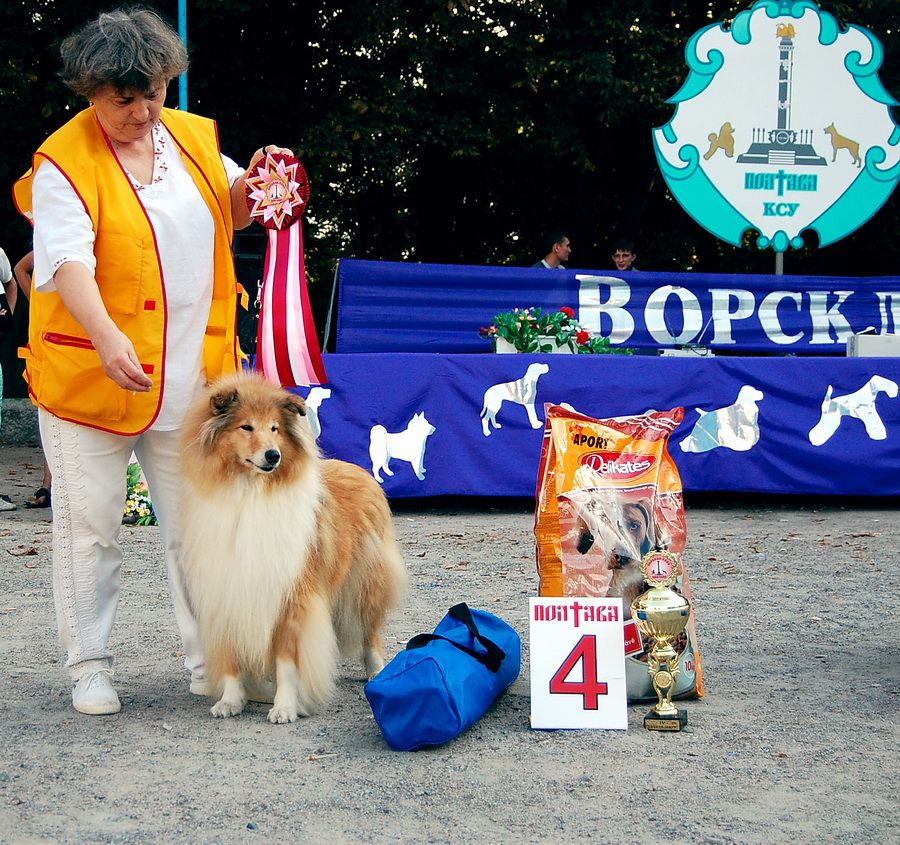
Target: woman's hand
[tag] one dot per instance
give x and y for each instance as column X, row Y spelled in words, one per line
column 269, row 148
column 120, row 362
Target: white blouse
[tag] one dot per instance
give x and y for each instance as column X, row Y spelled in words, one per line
column 185, row 236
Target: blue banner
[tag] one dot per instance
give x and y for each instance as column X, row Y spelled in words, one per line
column 397, row 307
column 429, row 425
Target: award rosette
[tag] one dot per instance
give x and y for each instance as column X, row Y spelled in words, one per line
column 287, row 349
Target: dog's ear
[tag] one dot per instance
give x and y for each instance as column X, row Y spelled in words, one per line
column 294, row 404
column 221, row 402
column 221, row 405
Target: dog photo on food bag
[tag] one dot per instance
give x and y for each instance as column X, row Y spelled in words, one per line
column 290, row 558
column 604, row 535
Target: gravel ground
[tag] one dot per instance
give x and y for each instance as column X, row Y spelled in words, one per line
column 796, row 740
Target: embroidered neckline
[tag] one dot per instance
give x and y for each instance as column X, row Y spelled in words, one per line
column 160, row 160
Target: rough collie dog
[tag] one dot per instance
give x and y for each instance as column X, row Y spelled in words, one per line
column 290, row 559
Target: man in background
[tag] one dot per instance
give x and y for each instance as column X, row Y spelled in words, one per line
column 623, row 255
column 557, row 248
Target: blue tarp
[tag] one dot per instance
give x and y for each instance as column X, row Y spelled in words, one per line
column 396, row 307
column 782, row 425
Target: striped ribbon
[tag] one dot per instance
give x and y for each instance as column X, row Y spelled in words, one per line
column 287, row 348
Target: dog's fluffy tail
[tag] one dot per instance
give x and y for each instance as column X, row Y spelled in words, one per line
column 372, row 589
column 396, row 568
column 311, row 676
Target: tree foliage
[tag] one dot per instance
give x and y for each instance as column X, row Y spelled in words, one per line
column 446, row 130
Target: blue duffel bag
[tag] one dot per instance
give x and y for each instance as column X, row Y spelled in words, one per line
column 444, row 682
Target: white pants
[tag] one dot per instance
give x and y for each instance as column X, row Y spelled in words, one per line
column 89, row 489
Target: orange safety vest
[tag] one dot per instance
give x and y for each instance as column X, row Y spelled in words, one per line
column 62, row 368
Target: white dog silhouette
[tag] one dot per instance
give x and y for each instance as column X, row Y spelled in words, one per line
column 521, row 391
column 860, row 405
column 734, row 427
column 408, row 445
column 313, row 402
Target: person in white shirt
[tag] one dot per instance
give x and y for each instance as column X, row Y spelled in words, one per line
column 142, row 315
column 7, row 307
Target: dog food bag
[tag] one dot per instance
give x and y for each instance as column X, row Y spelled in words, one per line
column 608, row 492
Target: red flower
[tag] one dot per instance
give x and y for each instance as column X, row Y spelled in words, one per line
column 567, row 311
column 582, row 338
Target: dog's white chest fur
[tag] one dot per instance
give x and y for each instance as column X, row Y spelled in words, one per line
column 245, row 548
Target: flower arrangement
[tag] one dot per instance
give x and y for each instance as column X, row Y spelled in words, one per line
column 138, row 507
column 531, row 330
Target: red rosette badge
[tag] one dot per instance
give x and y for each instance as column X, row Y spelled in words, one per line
column 287, row 348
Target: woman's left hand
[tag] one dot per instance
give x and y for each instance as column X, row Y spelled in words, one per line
column 269, row 148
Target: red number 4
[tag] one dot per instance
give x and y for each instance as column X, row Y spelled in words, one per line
column 589, row 688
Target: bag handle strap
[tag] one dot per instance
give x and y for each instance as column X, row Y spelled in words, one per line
column 493, row 656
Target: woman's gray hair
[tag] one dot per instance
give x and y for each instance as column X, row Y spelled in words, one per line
column 127, row 49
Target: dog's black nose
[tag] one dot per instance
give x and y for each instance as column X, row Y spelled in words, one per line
column 273, row 456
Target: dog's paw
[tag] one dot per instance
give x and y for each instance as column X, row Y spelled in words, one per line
column 222, row 709
column 373, row 663
column 282, row 714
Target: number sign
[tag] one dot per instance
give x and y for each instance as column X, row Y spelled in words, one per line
column 577, row 663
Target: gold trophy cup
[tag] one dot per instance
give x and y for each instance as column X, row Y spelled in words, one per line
column 661, row 615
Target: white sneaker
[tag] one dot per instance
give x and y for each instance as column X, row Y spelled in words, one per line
column 6, row 504
column 94, row 694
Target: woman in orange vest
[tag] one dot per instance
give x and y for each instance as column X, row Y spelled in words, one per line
column 132, row 312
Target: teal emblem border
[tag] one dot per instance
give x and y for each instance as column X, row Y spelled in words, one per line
column 698, row 195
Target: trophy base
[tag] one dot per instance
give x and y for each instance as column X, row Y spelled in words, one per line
column 653, row 721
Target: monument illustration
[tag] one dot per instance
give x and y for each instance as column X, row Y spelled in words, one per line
column 783, row 145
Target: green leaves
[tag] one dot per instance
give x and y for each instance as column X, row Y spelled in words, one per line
column 531, row 330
